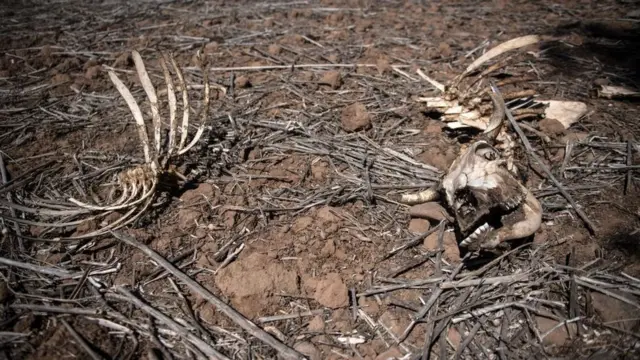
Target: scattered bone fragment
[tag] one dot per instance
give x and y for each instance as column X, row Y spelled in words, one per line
column 566, row 112
column 616, row 92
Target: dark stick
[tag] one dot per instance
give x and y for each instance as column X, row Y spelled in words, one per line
column 12, row 211
column 285, row 351
column 590, row 226
column 468, row 339
column 172, row 324
column 629, row 179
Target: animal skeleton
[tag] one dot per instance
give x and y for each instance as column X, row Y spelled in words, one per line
column 132, row 190
column 480, row 187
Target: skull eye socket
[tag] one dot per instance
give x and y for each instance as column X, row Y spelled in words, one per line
column 487, row 152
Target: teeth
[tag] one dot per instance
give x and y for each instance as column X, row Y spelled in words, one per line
column 469, row 239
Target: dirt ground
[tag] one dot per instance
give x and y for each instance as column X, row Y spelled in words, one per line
column 266, row 179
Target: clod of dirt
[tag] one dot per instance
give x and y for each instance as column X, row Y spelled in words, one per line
column 454, row 337
column 202, row 192
column 382, row 64
column 335, row 18
column 451, row 249
column 369, row 305
column 441, row 159
column 308, row 349
column 433, row 127
column 445, row 50
column 301, row 224
column 431, row 211
column 242, row 82
column 123, row 60
column 559, row 336
column 325, row 215
column 331, row 78
column 92, row 72
column 211, row 47
column 355, row 117
column 613, row 310
column 340, row 321
column 59, row 79
column 329, row 248
column 419, row 226
column 251, row 281
column 316, row 324
column 363, row 25
column 187, row 218
column 391, row 354
column 274, row 49
column 332, row 292
column 395, row 323
column 551, row 127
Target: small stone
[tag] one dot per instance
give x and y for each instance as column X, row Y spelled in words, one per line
column 242, row 82
column 419, row 226
column 308, row 349
column 355, row 117
column 431, row 211
column 316, row 324
column 559, row 336
column 331, row 78
column 391, row 354
column 332, row 292
column 551, row 126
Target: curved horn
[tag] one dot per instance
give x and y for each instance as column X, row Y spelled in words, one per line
column 431, row 194
column 495, row 123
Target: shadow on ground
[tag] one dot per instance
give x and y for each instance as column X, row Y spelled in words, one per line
column 612, row 49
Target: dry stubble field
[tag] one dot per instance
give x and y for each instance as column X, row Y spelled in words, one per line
column 287, row 209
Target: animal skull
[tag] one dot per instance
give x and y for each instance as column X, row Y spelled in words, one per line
column 490, row 206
